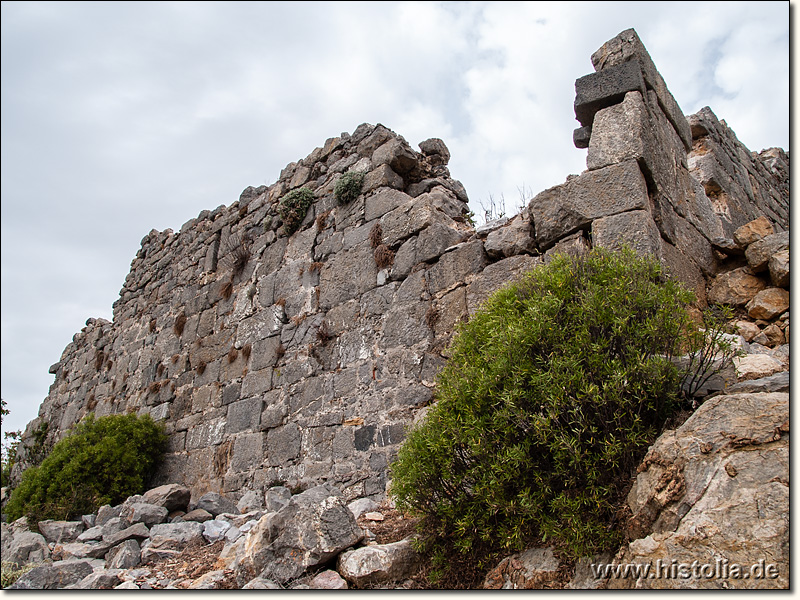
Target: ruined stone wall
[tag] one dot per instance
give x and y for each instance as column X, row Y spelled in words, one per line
column 297, row 359
column 305, row 361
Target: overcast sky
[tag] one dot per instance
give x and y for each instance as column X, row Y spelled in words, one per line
column 118, row 118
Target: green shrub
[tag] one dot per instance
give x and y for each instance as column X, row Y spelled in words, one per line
column 293, row 208
column 552, row 394
column 348, row 187
column 102, row 461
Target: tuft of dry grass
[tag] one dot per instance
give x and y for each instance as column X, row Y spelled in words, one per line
column 226, row 291
column 322, row 220
column 233, row 354
column 200, row 368
column 315, row 267
column 99, row 359
column 280, row 351
column 246, row 350
column 180, row 323
column 431, row 317
column 151, row 326
column 376, row 235
column 384, row 257
column 160, row 369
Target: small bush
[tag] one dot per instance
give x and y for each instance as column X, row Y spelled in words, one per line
column 293, row 208
column 553, row 392
column 376, row 235
column 102, row 461
column 348, row 187
column 384, row 257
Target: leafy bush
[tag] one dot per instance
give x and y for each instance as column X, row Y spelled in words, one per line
column 348, row 187
column 102, row 461
column 552, row 395
column 293, row 208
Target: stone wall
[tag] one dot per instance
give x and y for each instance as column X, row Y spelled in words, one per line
column 299, row 359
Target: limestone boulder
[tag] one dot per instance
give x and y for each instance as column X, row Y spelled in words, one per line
column 314, row 527
column 753, row 231
column 756, row 366
column 175, row 536
column 378, row 563
column 328, row 580
column 138, row 531
column 78, row 551
column 514, row 238
column 758, row 253
column 735, row 287
column 571, row 206
column 715, row 488
column 102, row 579
column 142, row 512
column 527, row 570
column 126, row 555
column 22, row 546
column 171, row 496
column 779, row 268
column 54, row 576
column 60, row 531
column 215, row 503
column 768, row 304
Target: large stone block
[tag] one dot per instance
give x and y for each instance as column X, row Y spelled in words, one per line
column 454, row 267
column 566, row 208
column 635, row 229
column 628, row 47
column 605, row 88
column 283, row 445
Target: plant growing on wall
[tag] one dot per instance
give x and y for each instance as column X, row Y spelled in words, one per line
column 553, row 393
column 293, row 208
column 348, row 187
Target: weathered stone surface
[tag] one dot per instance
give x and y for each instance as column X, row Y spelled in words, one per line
column 138, row 531
column 779, row 268
column 250, row 500
column 715, row 487
column 22, row 546
column 141, row 512
column 313, row 528
column 527, row 570
column 215, row 530
column 735, row 287
column 362, row 505
column 756, row 366
column 60, row 531
column 515, row 238
column 175, row 536
column 171, row 496
column 216, row 504
column 779, row 382
column 635, row 229
column 53, row 576
column 276, row 498
column 77, row 550
column 198, row 515
column 768, row 303
column 379, row 563
column 605, row 88
column 260, row 583
column 753, row 231
column 124, row 556
column 105, row 513
column 435, row 147
column 328, row 580
column 103, row 579
column 571, row 206
column 628, row 47
column 758, row 253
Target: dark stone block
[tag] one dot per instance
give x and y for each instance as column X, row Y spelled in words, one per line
column 580, row 137
column 365, row 437
column 605, row 88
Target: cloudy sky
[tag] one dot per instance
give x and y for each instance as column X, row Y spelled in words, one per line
column 118, row 117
